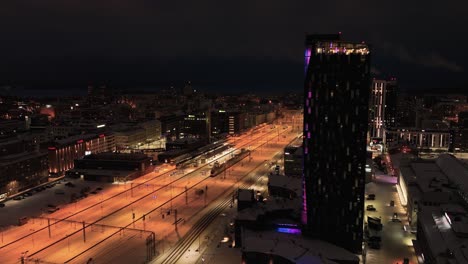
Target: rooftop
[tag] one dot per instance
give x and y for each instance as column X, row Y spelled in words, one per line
column 290, row 183
column 446, row 237
column 295, row 248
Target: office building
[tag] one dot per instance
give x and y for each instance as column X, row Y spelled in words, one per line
column 336, row 93
column 22, row 165
column 382, row 106
column 62, row 153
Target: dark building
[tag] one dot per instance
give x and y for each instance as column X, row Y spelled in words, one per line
column 22, row 165
column 460, row 133
column 109, row 166
column 227, row 122
column 336, row 93
column 197, row 126
column 171, row 126
column 293, row 157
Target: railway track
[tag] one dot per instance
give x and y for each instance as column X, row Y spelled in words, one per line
column 255, row 139
column 109, row 198
column 184, row 244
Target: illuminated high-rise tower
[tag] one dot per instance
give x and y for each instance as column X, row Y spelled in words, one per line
column 336, row 94
column 382, row 106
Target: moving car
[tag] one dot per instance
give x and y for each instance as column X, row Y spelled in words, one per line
column 371, row 196
column 370, row 207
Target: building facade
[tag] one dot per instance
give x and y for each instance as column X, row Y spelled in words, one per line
column 62, row 153
column 336, row 93
column 293, row 157
column 382, row 106
column 22, row 166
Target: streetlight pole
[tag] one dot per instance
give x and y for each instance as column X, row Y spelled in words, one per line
column 32, row 236
column 23, row 256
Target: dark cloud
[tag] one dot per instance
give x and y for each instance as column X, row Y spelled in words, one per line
column 246, row 42
column 432, row 59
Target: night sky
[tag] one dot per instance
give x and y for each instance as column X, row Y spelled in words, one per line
column 224, row 45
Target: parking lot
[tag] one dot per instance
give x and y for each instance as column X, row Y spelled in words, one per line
column 40, row 201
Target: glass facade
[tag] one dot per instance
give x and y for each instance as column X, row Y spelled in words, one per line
column 336, row 94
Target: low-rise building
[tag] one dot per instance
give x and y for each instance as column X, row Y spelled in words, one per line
column 293, row 155
column 423, row 139
column 130, row 138
column 112, row 167
column 432, row 183
column 62, row 153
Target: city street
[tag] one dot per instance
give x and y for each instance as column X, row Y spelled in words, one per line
column 396, row 242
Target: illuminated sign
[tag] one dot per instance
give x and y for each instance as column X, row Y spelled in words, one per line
column 288, row 230
column 222, row 111
column 51, row 148
column 87, row 152
column 80, row 141
column 99, row 126
column 102, row 135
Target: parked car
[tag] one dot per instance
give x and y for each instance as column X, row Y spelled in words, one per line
column 374, row 244
column 52, row 210
column 59, row 191
column 23, row 221
column 392, row 203
column 370, row 207
column 69, row 184
column 51, row 205
column 2, row 205
column 99, row 188
column 371, row 196
column 19, row 197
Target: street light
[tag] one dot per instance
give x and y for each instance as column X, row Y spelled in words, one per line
column 23, row 255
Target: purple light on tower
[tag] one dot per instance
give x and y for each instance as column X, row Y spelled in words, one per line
column 295, row 231
column 307, row 54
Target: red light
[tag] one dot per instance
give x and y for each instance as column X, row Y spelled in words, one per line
column 51, row 148
column 102, row 135
column 80, row 141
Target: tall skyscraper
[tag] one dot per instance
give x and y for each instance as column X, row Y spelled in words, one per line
column 336, row 93
column 382, row 106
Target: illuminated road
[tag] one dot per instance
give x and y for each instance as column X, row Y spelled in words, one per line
column 152, row 195
column 396, row 242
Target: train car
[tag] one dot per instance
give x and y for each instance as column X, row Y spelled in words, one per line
column 216, row 170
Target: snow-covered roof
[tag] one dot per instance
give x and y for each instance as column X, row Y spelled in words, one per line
column 455, row 170
column 290, row 183
column 245, row 195
column 441, row 236
column 295, row 248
